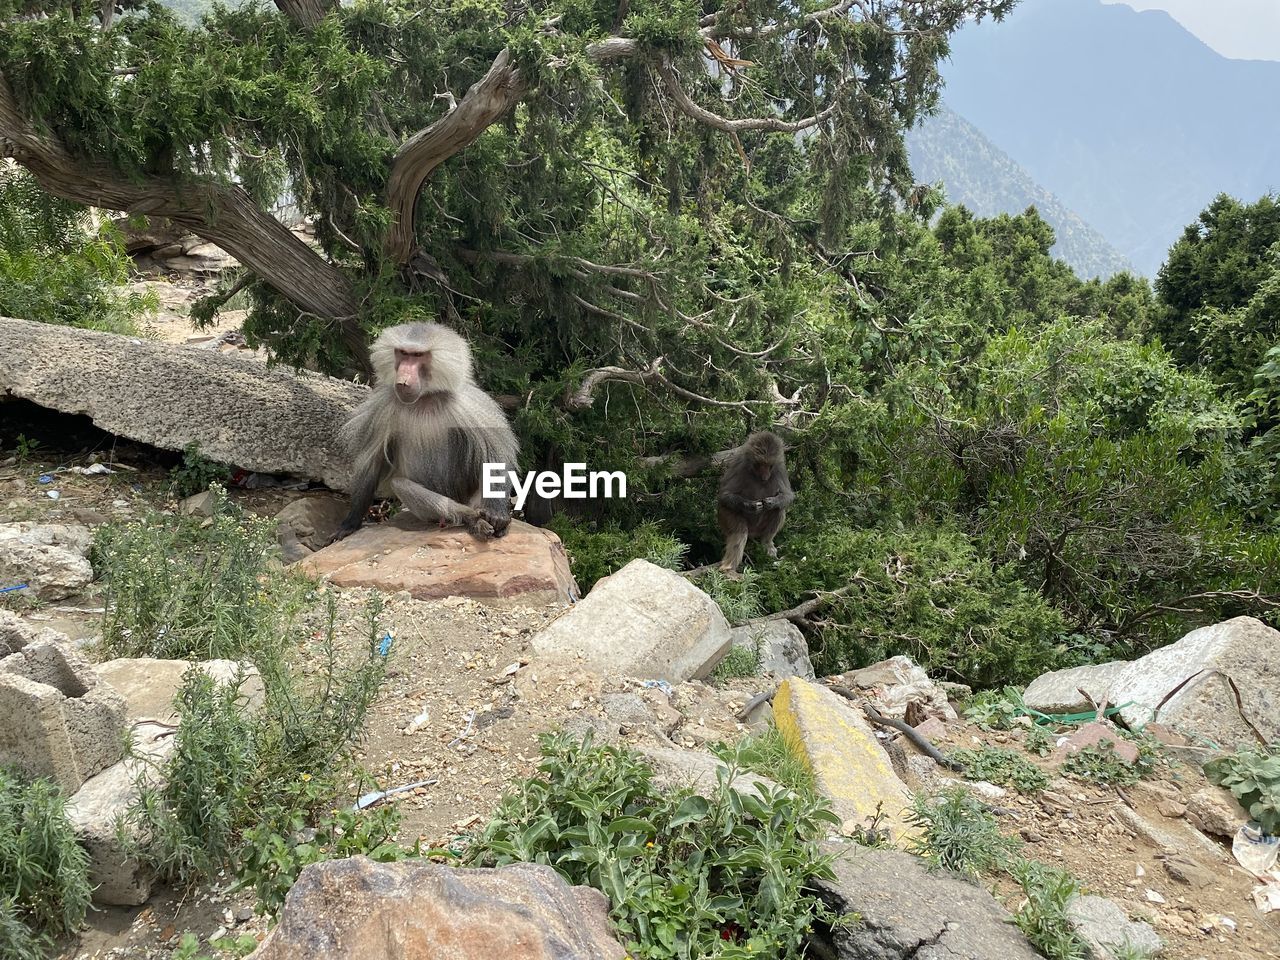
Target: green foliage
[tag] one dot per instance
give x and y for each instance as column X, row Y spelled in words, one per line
column 686, row 876
column 1038, row 741
column 1100, row 764
column 57, row 265
column 1003, row 767
column 197, row 473
column 957, row 833
column 740, row 661
column 191, row 588
column 1220, row 290
column 44, row 872
column 286, row 839
column 596, row 553
column 181, row 587
column 1043, row 917
column 768, row 754
column 1252, row 774
column 995, row 709
column 224, row 948
column 924, row 592
column 739, row 598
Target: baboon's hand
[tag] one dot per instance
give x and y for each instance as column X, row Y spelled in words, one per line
column 501, row 523
column 480, row 527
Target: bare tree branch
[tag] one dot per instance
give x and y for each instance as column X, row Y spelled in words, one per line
column 771, row 124
column 584, row 397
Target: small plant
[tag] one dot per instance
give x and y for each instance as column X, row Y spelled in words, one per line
column 224, row 948
column 1038, row 741
column 738, row 597
column 1043, row 917
column 1101, row 765
column 1252, row 774
column 26, row 447
column 958, row 833
column 768, row 754
column 724, row 876
column 197, row 473
column 741, row 661
column 996, row 709
column 44, row 872
column 1004, row 767
column 286, row 840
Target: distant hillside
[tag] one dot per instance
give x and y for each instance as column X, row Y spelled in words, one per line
column 1130, row 120
column 947, row 148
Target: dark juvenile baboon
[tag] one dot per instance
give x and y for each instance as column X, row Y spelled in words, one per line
column 429, row 429
column 753, row 497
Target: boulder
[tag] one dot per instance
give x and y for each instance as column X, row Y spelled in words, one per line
column 528, row 564
column 697, row 770
column 909, row 912
column 313, row 520
column 1103, row 925
column 1059, row 691
column 780, row 646
column 50, row 558
column 60, row 720
column 265, row 419
column 1196, row 675
column 850, row 767
column 1186, row 686
column 1093, row 735
column 356, row 909
column 642, row 621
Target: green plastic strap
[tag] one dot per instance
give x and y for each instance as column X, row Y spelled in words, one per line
column 1065, row 718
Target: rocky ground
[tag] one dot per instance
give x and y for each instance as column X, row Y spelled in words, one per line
column 466, row 699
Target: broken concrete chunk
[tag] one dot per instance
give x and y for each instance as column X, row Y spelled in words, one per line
column 60, row 720
column 643, row 621
column 51, row 559
column 850, row 767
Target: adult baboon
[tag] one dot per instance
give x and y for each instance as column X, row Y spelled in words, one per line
column 753, row 497
column 428, row 428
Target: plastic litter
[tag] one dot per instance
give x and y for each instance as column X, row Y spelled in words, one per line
column 662, row 685
column 1254, row 850
column 385, row 646
column 20, row 586
column 369, row 799
column 46, row 478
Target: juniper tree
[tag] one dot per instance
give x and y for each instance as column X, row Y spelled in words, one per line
column 592, row 172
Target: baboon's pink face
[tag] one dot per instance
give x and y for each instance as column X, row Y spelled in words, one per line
column 413, row 374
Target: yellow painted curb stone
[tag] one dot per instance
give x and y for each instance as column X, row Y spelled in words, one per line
column 849, row 766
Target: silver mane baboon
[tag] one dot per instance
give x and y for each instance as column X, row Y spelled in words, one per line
column 753, row 497
column 429, row 429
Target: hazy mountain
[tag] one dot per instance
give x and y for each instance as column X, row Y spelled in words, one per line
column 1129, row 119
column 947, row 148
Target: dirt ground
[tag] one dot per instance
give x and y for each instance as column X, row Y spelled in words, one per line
column 463, row 706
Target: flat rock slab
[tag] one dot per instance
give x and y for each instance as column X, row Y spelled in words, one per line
column 356, row 909
column 1108, row 930
column 643, row 621
column 849, row 766
column 528, row 564
column 265, row 419
column 909, row 912
column 1059, row 691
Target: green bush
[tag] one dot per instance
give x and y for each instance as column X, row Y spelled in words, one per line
column 44, row 872
column 687, row 877
column 956, row 832
column 597, row 550
column 1043, row 917
column 192, row 588
column 56, row 266
column 924, row 592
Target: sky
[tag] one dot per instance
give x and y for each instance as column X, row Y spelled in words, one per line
column 1240, row 29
